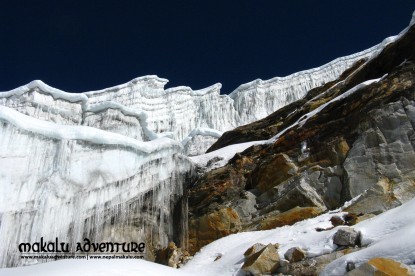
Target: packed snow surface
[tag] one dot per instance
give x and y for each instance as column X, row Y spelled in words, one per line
column 94, row 267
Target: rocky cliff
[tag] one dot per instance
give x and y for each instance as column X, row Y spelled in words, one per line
column 353, row 137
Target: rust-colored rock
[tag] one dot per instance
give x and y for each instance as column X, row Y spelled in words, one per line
column 211, row 227
column 382, row 267
column 289, row 217
column 273, row 172
column 390, row 267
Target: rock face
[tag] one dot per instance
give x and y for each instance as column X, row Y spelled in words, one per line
column 289, row 217
column 265, row 261
column 213, row 226
column 352, row 136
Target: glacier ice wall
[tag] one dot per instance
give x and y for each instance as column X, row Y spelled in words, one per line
column 258, row 99
column 101, row 165
column 81, row 182
column 143, row 103
column 199, row 140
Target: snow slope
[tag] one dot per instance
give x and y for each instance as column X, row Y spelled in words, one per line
column 391, row 235
column 94, row 267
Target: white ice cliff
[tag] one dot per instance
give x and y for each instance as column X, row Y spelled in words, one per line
column 76, row 181
column 111, row 164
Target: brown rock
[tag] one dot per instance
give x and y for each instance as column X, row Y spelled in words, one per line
column 272, row 173
column 336, row 221
column 342, row 149
column 289, row 217
column 295, row 254
column 211, row 227
column 265, row 261
column 350, row 219
column 172, row 256
column 254, row 249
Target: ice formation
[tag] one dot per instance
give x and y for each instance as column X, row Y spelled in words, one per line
column 110, row 164
column 73, row 182
column 144, row 104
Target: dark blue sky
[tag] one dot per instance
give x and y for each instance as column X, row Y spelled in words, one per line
column 87, row 45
